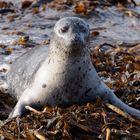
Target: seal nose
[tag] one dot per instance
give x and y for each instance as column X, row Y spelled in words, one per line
column 80, row 37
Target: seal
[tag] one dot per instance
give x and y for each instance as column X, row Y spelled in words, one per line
column 61, row 75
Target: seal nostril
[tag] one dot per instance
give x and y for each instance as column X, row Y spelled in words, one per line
column 64, row 29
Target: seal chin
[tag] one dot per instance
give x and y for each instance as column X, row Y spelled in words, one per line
column 77, row 42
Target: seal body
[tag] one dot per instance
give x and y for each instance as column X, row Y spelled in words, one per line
column 60, row 76
column 23, row 69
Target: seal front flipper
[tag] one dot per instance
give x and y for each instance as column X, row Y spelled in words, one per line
column 19, row 110
column 113, row 99
column 27, row 98
column 109, row 97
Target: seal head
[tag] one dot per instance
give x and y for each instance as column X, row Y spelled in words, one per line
column 71, row 35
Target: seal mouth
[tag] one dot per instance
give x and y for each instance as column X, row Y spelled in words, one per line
column 78, row 40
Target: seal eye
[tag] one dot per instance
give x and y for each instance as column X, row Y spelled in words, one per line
column 83, row 29
column 64, row 29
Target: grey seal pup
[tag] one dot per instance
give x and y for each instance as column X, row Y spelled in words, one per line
column 61, row 77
